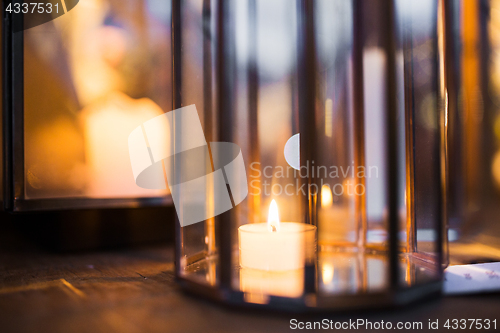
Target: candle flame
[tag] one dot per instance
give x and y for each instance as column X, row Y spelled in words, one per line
column 273, row 219
column 326, row 196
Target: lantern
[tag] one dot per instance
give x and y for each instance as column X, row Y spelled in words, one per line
column 473, row 159
column 74, row 89
column 332, row 197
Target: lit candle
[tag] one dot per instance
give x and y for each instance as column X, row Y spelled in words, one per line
column 107, row 125
column 275, row 245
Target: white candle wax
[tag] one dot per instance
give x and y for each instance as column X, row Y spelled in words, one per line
column 287, row 248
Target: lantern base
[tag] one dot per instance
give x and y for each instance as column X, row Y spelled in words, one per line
column 341, row 281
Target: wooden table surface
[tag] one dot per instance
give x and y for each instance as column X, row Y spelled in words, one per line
column 134, row 291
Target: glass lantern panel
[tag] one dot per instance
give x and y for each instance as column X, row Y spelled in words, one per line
column 273, row 242
column 489, row 234
column 198, row 257
column 337, row 222
column 423, row 97
column 92, row 76
column 474, row 231
column 352, row 150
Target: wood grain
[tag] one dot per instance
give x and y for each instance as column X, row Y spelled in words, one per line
column 134, row 290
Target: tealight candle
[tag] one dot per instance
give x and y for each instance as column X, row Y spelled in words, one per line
column 275, row 245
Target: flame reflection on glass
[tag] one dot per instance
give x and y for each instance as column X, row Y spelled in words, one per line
column 326, row 196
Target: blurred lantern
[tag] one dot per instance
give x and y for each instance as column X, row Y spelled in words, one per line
column 473, row 138
column 74, row 89
column 336, row 107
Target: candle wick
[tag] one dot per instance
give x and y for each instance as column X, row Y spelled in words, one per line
column 273, row 228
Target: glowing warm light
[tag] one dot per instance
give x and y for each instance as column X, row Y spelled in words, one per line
column 106, row 127
column 327, row 273
column 275, row 246
column 273, row 219
column 326, row 196
column 329, row 118
column 495, row 168
column 336, row 220
column 259, row 284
